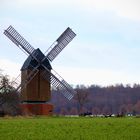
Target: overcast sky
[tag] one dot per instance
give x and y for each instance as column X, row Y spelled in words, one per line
column 104, row 52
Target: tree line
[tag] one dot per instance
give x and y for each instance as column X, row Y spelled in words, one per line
column 115, row 99
column 94, row 99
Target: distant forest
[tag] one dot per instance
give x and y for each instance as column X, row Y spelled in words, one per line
column 118, row 99
column 96, row 100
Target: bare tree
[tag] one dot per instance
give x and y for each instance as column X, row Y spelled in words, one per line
column 5, row 84
column 9, row 99
column 82, row 97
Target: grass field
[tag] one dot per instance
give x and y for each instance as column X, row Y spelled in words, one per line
column 69, row 128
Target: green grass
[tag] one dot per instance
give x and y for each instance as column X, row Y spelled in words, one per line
column 70, row 128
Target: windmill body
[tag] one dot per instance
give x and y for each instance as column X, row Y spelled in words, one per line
column 37, row 75
column 38, row 89
column 36, row 94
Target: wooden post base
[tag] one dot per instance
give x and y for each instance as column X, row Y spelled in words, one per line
column 37, row 109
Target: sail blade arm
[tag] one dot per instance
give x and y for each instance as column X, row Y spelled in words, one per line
column 64, row 39
column 59, row 83
column 18, row 40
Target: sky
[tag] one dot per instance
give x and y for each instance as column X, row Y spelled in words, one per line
column 104, row 52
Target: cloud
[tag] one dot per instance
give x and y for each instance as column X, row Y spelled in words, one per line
column 34, row 2
column 95, row 76
column 10, row 68
column 76, row 75
column 106, row 34
column 123, row 8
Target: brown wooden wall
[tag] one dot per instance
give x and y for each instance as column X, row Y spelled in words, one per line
column 37, row 90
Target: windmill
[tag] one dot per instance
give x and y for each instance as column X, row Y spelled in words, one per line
column 37, row 75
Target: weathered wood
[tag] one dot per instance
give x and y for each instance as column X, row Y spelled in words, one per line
column 37, row 90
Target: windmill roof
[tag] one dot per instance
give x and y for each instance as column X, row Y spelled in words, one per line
column 30, row 62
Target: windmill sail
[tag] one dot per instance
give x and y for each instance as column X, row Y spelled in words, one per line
column 59, row 83
column 54, row 78
column 64, row 39
column 16, row 38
